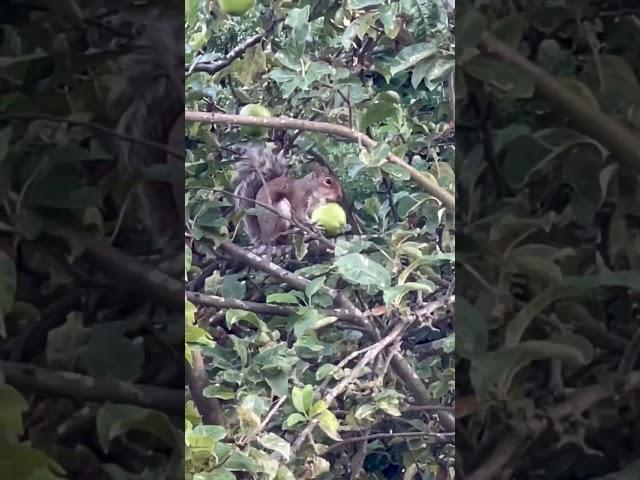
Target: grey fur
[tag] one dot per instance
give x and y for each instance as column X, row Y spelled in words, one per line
column 258, row 164
column 152, row 102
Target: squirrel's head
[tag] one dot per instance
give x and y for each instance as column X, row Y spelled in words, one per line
column 328, row 185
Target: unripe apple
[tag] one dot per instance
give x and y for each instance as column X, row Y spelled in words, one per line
column 236, row 8
column 331, row 217
column 254, row 110
column 389, row 96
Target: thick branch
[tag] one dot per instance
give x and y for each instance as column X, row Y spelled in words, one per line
column 293, row 280
column 605, row 129
column 81, row 387
column 197, row 378
column 328, row 128
column 93, row 126
column 264, row 308
column 136, row 276
column 403, row 369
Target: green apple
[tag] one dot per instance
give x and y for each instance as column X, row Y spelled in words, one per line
column 254, row 110
column 236, row 8
column 331, row 217
column 389, row 97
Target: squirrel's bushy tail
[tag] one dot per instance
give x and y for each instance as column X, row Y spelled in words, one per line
column 258, row 166
column 152, row 105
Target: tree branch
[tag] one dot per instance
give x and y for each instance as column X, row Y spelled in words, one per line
column 198, row 379
column 82, row 387
column 604, row 128
column 96, row 127
column 328, row 128
column 214, row 67
column 264, row 308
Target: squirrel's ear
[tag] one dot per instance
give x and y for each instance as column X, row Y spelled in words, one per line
column 320, row 170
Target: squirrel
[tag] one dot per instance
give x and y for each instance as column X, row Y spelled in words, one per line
column 262, row 177
column 151, row 106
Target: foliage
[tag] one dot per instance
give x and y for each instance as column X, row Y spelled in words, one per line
column 547, row 230
column 72, row 321
column 381, row 68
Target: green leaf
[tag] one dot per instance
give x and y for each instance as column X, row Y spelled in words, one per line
column 302, row 398
column 394, row 295
column 317, row 408
column 114, row 420
column 286, row 298
column 216, row 432
column 278, row 381
column 239, row 462
column 470, row 28
column 110, row 353
column 277, row 444
column 66, row 343
column 507, row 79
column 329, row 424
column 326, row 370
column 219, row 391
column 21, row 461
column 472, row 329
column 500, row 367
column 217, row 474
column 232, row 288
column 12, row 407
column 523, row 318
column 314, row 287
column 360, row 4
column 294, row 419
column 410, row 56
column 359, row 269
column 234, row 316
column 365, row 411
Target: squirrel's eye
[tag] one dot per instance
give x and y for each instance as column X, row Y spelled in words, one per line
column 328, row 181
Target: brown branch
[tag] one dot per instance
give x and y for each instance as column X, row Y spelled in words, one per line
column 293, row 280
column 82, row 387
column 93, row 126
column 605, row 129
column 214, row 67
column 135, row 276
column 403, row 369
column 327, row 128
column 436, row 437
column 264, row 308
column 197, row 378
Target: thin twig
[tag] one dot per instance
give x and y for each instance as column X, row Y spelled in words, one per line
column 441, row 437
column 343, row 384
column 214, row 67
column 264, row 422
column 92, row 126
